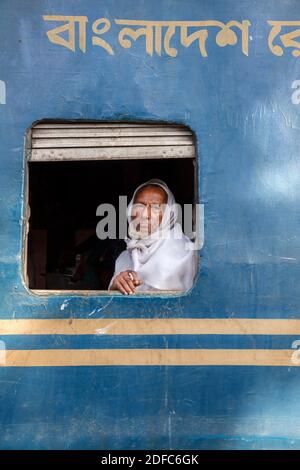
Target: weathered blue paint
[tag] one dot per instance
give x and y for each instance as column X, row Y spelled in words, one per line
column 247, row 130
column 150, row 341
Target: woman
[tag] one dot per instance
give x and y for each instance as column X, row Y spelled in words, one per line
column 159, row 256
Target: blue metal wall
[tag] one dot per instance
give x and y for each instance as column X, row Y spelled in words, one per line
column 246, row 117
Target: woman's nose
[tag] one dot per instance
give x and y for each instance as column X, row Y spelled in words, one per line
column 146, row 212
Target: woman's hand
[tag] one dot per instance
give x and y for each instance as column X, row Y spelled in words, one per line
column 126, row 282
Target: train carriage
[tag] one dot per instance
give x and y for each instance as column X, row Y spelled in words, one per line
column 95, row 99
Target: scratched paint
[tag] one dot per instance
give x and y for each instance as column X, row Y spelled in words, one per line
column 243, row 105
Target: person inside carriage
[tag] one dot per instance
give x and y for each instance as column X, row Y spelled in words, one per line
column 159, row 256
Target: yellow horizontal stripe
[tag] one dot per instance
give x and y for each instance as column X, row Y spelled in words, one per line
column 147, row 357
column 155, row 326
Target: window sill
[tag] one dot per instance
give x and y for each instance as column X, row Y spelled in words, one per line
column 52, row 292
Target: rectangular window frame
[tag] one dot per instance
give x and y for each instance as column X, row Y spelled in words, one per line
column 30, row 157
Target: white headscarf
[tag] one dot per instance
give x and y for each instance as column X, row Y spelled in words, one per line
column 166, row 259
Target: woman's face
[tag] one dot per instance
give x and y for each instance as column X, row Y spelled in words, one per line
column 147, row 211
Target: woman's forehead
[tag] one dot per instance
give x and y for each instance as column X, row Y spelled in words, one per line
column 151, row 194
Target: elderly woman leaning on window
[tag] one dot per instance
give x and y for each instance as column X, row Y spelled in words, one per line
column 159, row 256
